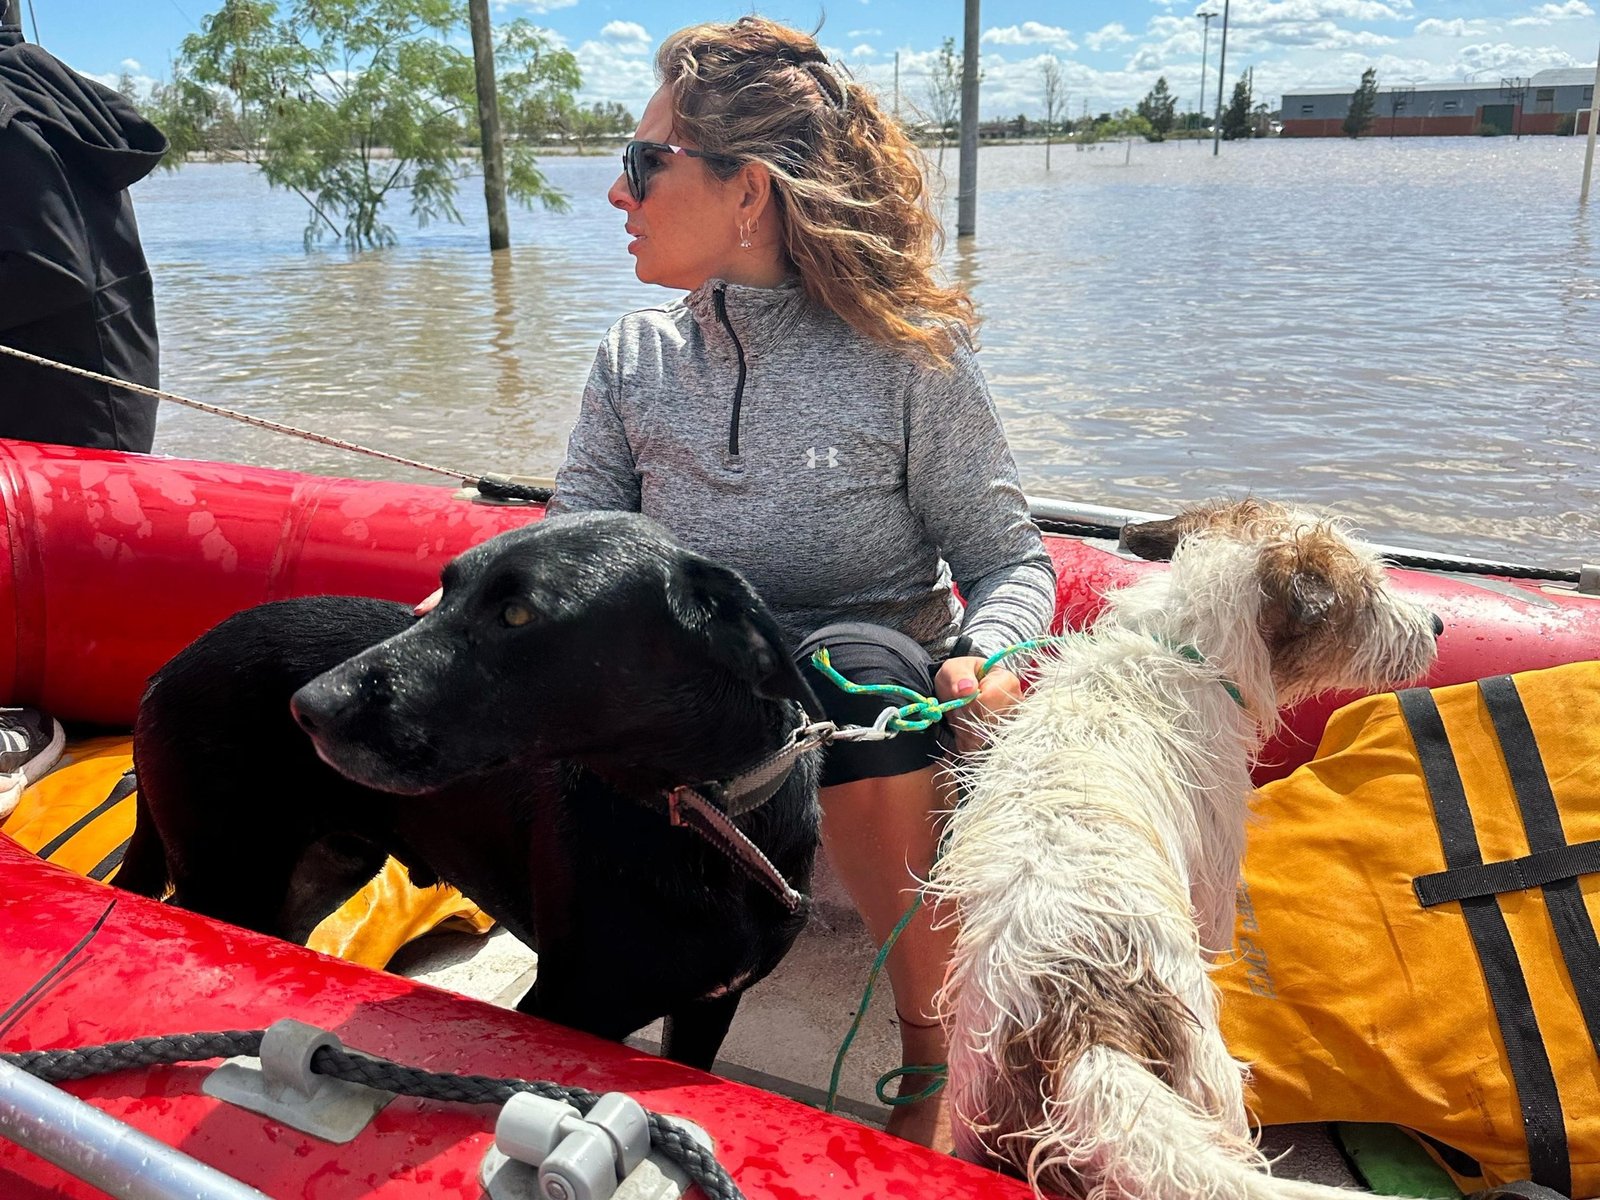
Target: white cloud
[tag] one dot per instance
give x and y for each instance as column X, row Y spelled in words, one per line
column 1030, row 33
column 864, row 33
column 629, row 37
column 536, row 6
column 1252, row 13
column 1107, row 36
column 619, row 65
column 131, row 65
column 1547, row 14
column 1455, row 28
column 1505, row 58
column 862, row 51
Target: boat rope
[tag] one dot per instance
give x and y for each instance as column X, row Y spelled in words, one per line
column 666, row 1135
column 501, row 487
column 1410, row 559
column 498, row 487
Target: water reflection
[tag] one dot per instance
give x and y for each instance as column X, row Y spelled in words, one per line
column 1406, row 330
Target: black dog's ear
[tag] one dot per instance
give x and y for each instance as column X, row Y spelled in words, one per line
column 741, row 633
column 1153, row 541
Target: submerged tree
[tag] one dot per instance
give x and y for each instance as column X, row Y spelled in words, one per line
column 357, row 102
column 1362, row 103
column 1159, row 107
column 1055, row 100
column 944, row 90
column 1236, row 117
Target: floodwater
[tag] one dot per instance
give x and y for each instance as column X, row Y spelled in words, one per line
column 1405, row 331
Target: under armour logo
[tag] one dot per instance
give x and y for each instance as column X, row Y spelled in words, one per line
column 830, row 457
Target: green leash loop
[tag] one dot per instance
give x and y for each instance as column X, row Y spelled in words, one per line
column 921, row 711
column 937, row 1070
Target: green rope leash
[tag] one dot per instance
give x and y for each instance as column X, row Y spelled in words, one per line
column 920, row 711
column 936, row 1069
column 1194, row 655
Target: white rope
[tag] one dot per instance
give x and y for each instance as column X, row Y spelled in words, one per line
column 258, row 422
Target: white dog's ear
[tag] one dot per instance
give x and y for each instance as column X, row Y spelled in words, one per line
column 1153, row 541
column 1311, row 598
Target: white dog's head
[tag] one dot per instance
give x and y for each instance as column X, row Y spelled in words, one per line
column 1283, row 601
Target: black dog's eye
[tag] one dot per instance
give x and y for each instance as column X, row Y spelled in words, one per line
column 515, row 614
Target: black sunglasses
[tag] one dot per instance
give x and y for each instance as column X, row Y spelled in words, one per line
column 640, row 161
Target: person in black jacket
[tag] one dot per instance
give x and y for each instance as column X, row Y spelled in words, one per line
column 74, row 286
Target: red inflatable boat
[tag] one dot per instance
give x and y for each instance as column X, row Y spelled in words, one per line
column 110, row 563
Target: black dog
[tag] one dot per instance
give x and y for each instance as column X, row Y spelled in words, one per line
column 519, row 741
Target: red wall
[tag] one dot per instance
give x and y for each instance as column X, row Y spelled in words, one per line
column 1436, row 126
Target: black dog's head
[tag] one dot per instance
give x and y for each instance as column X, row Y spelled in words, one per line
column 592, row 638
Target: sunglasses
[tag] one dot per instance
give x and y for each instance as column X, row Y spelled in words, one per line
column 640, row 160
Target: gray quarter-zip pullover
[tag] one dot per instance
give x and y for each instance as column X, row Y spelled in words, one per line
column 845, row 479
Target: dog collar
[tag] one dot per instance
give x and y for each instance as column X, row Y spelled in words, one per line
column 750, row 789
column 1194, row 655
column 709, row 808
column 688, row 807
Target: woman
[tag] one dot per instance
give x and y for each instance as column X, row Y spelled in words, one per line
column 812, row 414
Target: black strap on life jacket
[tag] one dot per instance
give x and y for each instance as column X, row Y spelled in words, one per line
column 1543, row 1122
column 126, row 785
column 1554, row 865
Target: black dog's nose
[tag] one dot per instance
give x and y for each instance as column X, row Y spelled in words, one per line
column 308, row 714
column 1438, row 624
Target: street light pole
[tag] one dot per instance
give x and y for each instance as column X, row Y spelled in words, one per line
column 1205, row 41
column 1222, row 68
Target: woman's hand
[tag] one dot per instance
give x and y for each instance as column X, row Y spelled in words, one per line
column 996, row 692
column 427, row 606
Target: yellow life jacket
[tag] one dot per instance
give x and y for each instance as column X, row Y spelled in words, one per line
column 1416, row 928
column 80, row 816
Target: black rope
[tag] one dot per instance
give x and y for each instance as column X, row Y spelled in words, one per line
column 500, row 487
column 666, row 1135
column 1415, row 562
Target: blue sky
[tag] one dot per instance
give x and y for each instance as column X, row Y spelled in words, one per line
column 1111, row 51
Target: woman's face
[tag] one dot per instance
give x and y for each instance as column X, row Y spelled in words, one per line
column 686, row 230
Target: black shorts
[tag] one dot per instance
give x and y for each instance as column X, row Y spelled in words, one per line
column 865, row 653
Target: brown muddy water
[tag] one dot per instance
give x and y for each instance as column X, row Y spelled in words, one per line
column 1405, row 331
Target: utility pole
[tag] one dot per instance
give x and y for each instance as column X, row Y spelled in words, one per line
column 494, row 162
column 1594, row 119
column 1398, row 98
column 1514, row 89
column 1222, row 69
column 967, row 198
column 1205, row 41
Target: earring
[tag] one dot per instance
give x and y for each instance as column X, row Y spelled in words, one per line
column 744, row 236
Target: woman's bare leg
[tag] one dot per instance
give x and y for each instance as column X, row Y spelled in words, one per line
column 881, row 835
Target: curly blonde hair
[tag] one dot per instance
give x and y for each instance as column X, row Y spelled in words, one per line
column 847, row 182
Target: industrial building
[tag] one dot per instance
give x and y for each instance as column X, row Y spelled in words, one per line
column 1548, row 102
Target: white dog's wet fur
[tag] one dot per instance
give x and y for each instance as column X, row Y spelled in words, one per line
column 1093, row 863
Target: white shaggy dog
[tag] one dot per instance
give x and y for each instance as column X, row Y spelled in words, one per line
column 1093, row 863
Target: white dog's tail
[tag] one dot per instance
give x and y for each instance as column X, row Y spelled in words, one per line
column 1114, row 1131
